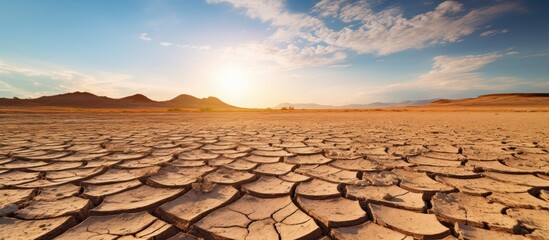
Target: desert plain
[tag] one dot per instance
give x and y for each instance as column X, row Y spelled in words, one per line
column 275, row 175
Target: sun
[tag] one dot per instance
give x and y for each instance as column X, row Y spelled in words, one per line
column 233, row 80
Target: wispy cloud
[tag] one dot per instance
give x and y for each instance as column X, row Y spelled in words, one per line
column 8, row 89
column 388, row 31
column 201, row 47
column 539, row 54
column 283, row 47
column 459, row 73
column 165, row 44
column 289, row 57
column 145, row 37
column 493, row 32
column 453, row 74
column 16, row 80
column 367, row 31
column 339, row 65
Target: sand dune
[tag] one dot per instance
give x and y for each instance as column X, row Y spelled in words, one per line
column 497, row 100
column 503, row 100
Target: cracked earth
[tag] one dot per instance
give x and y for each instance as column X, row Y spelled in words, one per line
column 368, row 175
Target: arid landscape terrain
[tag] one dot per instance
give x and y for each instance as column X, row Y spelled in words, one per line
column 88, row 102
column 275, row 175
column 274, row 119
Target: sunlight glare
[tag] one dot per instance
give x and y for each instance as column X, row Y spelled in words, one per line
column 233, row 80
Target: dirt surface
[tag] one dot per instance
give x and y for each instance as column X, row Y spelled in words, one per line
column 275, row 175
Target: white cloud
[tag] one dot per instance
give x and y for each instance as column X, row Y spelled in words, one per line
column 290, row 56
column 7, row 89
column 462, row 64
column 366, row 31
column 460, row 73
column 538, row 54
column 328, row 8
column 200, row 47
column 493, row 32
column 290, row 28
column 165, row 44
column 454, row 74
column 287, row 25
column 16, row 79
column 388, row 31
column 196, row 47
column 340, row 65
column 145, row 37
column 351, row 11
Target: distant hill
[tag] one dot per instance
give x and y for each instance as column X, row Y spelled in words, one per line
column 188, row 101
column 355, row 106
column 303, row 106
column 89, row 100
column 140, row 98
column 497, row 100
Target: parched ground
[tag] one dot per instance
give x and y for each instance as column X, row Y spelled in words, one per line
column 275, row 175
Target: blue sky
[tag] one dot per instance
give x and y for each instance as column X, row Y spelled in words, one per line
column 258, row 53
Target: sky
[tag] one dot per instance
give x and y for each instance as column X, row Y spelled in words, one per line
column 259, row 53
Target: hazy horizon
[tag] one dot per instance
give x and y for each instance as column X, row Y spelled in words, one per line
column 263, row 53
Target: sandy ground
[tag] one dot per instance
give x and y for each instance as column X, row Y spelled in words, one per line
column 275, row 175
column 434, row 108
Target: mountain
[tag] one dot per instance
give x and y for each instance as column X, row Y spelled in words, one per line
column 140, row 98
column 192, row 102
column 497, row 100
column 89, row 100
column 354, row 106
column 304, row 106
